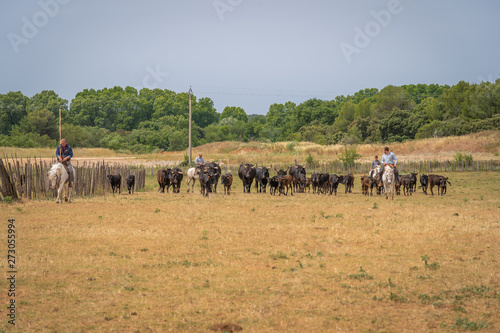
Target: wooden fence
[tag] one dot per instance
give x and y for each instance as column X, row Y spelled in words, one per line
column 408, row 166
column 404, row 167
column 29, row 177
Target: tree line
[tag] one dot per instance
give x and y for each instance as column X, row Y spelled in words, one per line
column 155, row 119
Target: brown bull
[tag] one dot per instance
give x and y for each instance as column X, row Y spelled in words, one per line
column 366, row 183
column 285, row 182
column 227, row 180
column 440, row 182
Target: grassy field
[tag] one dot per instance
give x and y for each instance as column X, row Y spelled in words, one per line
column 152, row 262
column 482, row 146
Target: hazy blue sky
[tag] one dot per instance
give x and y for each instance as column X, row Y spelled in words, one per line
column 248, row 53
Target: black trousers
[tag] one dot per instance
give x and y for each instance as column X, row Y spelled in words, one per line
column 69, row 170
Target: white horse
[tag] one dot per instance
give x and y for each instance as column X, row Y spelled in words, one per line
column 193, row 174
column 389, row 181
column 58, row 177
column 375, row 171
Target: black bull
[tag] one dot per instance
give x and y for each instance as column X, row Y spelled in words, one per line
column 261, row 178
column 246, row 172
column 298, row 173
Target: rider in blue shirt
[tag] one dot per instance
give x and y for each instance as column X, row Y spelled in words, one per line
column 64, row 153
column 389, row 159
column 199, row 161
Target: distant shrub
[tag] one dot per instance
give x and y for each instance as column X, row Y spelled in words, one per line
column 186, row 162
column 291, row 146
column 462, row 157
column 309, row 159
column 349, row 155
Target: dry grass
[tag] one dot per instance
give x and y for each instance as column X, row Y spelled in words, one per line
column 51, row 152
column 307, row 263
column 482, row 146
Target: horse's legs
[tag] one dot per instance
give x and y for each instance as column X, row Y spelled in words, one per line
column 70, row 189
column 58, row 200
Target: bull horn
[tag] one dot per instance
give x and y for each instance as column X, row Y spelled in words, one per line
column 253, row 167
column 180, row 172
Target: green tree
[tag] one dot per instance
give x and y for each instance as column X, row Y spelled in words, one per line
column 12, row 110
column 235, row 112
column 456, row 100
column 48, row 99
column 254, row 126
column 397, row 126
column 346, row 117
column 278, row 124
column 86, row 110
column 42, row 122
column 389, row 98
column 204, row 113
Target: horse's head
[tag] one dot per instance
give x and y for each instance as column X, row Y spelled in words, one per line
column 55, row 173
column 53, row 177
column 388, row 174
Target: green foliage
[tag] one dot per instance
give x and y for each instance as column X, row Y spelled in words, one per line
column 398, row 299
column 234, row 112
column 309, row 159
column 466, row 325
column 291, row 146
column 26, row 140
column 12, row 110
column 186, row 162
column 433, row 266
column 147, row 120
column 362, row 275
column 462, row 157
column 8, row 199
column 349, row 155
column 279, row 255
column 42, row 122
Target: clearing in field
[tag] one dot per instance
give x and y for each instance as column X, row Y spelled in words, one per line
column 307, row 263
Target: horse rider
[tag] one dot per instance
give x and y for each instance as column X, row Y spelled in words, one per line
column 375, row 164
column 389, row 159
column 64, row 153
column 199, row 161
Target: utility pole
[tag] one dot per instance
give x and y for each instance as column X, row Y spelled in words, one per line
column 60, row 130
column 190, row 154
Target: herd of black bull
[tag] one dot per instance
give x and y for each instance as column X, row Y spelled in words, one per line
column 292, row 179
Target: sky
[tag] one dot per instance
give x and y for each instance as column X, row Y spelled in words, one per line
column 246, row 53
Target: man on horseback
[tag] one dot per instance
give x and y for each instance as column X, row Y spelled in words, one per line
column 199, row 161
column 389, row 159
column 375, row 164
column 64, row 153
